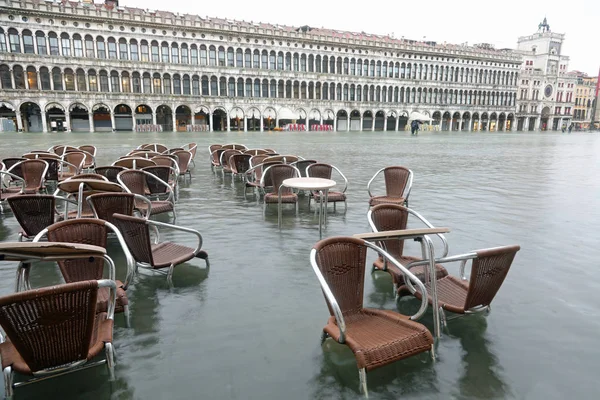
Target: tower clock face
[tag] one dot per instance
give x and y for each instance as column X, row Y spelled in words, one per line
column 548, row 91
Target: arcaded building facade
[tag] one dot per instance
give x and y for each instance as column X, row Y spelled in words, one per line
column 81, row 66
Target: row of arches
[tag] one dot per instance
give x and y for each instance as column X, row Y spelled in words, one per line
column 183, row 84
column 89, row 46
column 29, row 116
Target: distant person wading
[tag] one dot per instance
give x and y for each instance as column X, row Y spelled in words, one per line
column 414, row 127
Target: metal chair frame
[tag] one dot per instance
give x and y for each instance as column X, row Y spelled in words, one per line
column 343, row 190
column 407, row 189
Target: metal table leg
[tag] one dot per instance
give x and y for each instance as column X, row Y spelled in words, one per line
column 320, row 214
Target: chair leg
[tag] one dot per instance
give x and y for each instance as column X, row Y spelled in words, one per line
column 324, row 337
column 170, row 274
column 432, row 352
column 110, row 360
column 8, row 383
column 443, row 318
column 362, row 374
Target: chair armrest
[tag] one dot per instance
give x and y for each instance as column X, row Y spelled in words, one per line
column 112, row 285
column 461, row 257
column 429, row 225
column 371, row 181
column 128, row 256
column 337, row 312
column 179, row 228
column 14, row 177
column 343, row 177
column 407, row 274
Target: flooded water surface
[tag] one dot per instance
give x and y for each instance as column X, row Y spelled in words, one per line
column 249, row 327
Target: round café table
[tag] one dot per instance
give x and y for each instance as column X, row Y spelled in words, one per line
column 306, row 183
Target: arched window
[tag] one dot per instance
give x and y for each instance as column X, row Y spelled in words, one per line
column 92, row 80
column 77, row 45
column 115, row 83
column 230, row 57
column 318, row 64
column 303, row 63
column 186, row 84
column 136, row 82
column 264, row 60
column 272, row 60
column 5, row 77
column 256, row 88
column 40, row 39
column 223, row 87
column 311, row 63
column 194, row 54
column 185, row 59
column 3, row 47
column 240, row 87
column 156, row 84
column 53, row 40
column 57, row 79
column 248, row 58
column 166, row 83
column 45, row 79
column 212, row 55
column 176, row 84
column 164, row 51
column 100, row 46
column 65, row 42
column 80, row 78
column 19, row 76
column 239, row 58
column 231, row 87
column 273, row 89
column 112, row 48
column 221, row 56
column 13, row 39
column 288, row 61
column 104, row 81
column 203, row 55
column 196, row 85
column 346, row 66
column 32, row 78
column 353, row 66
column 214, row 86
column 28, row 46
column 147, row 83
column 154, row 51
column 69, row 79
column 332, row 66
column 205, row 86
column 174, row 53
column 89, row 46
column 134, row 49
column 265, row 88
column 123, row 50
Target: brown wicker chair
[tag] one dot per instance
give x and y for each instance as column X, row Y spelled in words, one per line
column 166, row 160
column 54, row 330
column 192, row 148
column 76, row 161
column 184, row 159
column 215, row 155
column 157, row 255
column 134, row 162
column 278, row 173
column 376, row 337
column 302, row 164
column 33, row 173
column 110, row 172
column 104, row 205
column 224, row 160
column 34, row 212
column 322, row 170
column 7, row 192
column 285, row 159
column 10, row 161
column 391, row 217
column 135, row 181
column 398, row 182
column 256, row 152
column 157, row 147
column 234, row 146
column 166, row 174
column 91, row 231
column 254, row 177
column 489, row 268
column 239, row 164
column 90, row 156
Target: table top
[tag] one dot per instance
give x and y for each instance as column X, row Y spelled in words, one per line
column 400, row 234
column 72, row 185
column 309, row 183
column 22, row 251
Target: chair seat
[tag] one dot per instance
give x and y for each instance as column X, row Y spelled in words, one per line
column 332, row 197
column 102, row 333
column 418, row 271
column 452, row 293
column 380, row 337
column 102, row 302
column 272, row 198
column 158, row 207
column 373, row 201
column 167, row 253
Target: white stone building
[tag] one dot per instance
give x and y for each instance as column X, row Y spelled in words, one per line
column 84, row 66
column 545, row 98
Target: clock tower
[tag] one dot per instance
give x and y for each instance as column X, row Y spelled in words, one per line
column 545, row 97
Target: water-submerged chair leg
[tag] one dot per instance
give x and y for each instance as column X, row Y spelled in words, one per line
column 170, row 274
column 362, row 373
column 110, row 361
column 324, row 337
column 127, row 316
column 8, row 383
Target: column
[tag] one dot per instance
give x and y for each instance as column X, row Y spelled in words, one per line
column 67, row 121
column 348, row 125
column 26, row 80
column 262, row 129
column 505, row 125
column 44, row 124
column 459, row 124
column 373, row 123
column 153, row 117
column 174, row 118
column 12, row 79
column 277, row 121
column 212, row 129
column 335, row 123
column 39, row 81
column 470, row 124
column 64, row 85
column 537, row 123
column 91, row 121
column 112, row 121
column 19, row 121
column 23, row 44
column 245, row 124
column 228, row 123
column 385, row 119
column 87, row 82
column 361, row 123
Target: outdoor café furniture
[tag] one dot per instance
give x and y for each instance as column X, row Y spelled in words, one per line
column 7, row 191
column 34, row 212
column 110, row 172
column 58, row 344
column 318, row 184
column 104, row 205
column 157, row 147
column 134, row 162
column 157, row 255
column 428, row 250
column 224, row 159
column 256, row 178
column 239, row 164
column 322, row 170
column 81, row 188
column 192, row 148
column 392, row 217
column 398, row 182
column 376, row 337
column 184, row 159
column 134, row 181
column 90, row 156
column 463, row 295
column 90, row 231
column 33, row 173
column 302, row 164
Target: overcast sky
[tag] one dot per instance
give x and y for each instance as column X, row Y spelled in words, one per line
column 458, row 21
